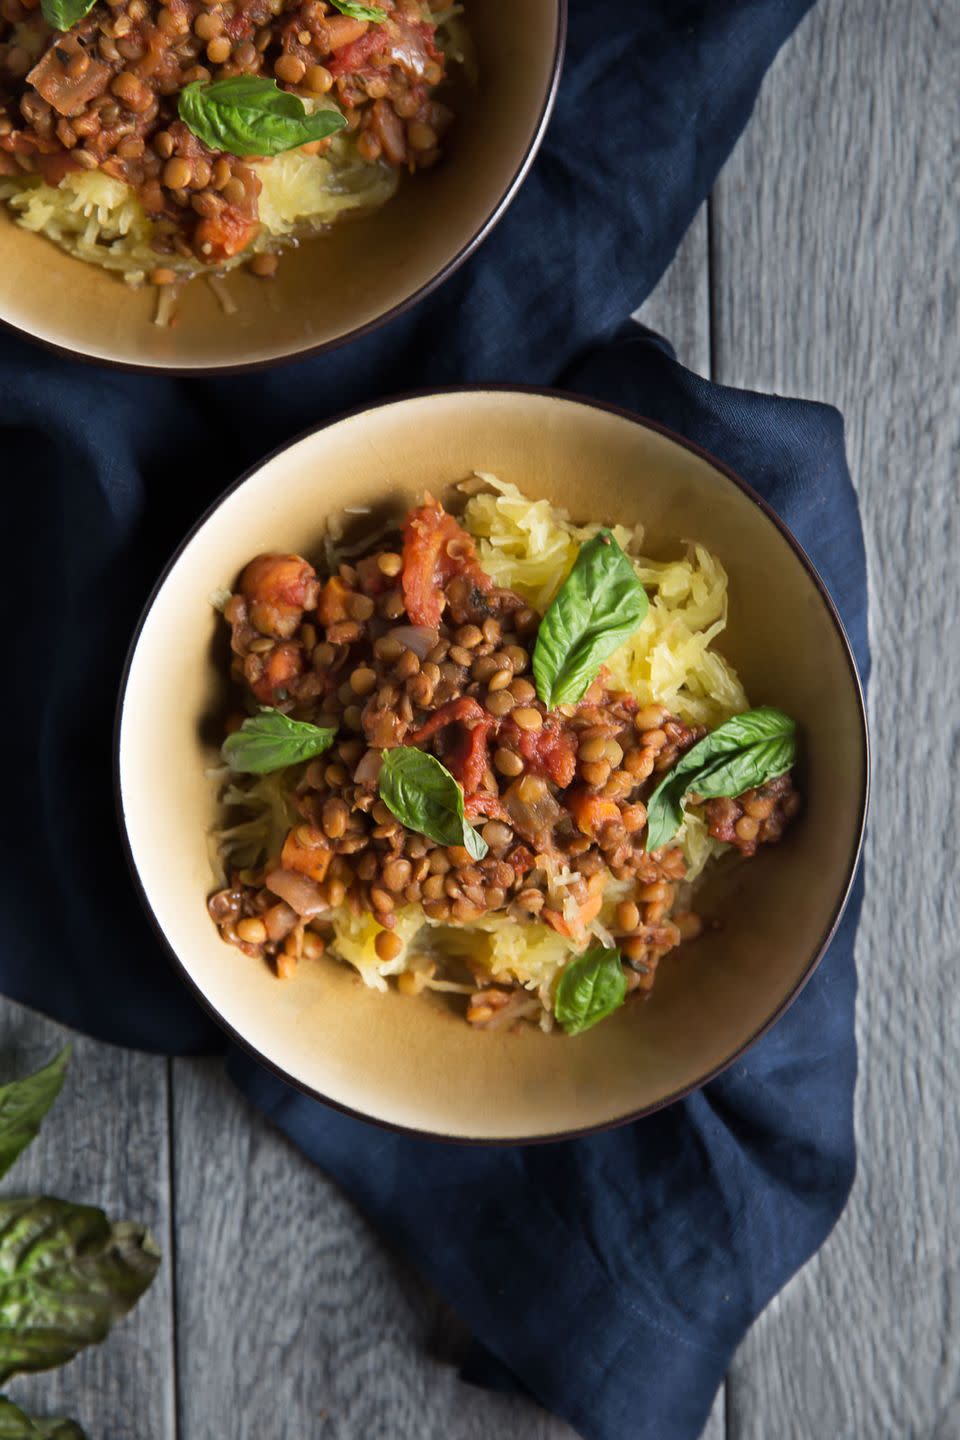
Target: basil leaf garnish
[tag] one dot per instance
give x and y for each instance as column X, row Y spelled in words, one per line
column 425, row 797
column 23, row 1104
column 591, row 988
column 249, row 115
column 598, row 606
column 15, row 1424
column 743, row 752
column 360, row 12
column 66, row 1276
column 272, row 741
column 62, row 14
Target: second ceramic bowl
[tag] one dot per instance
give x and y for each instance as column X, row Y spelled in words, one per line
column 337, row 286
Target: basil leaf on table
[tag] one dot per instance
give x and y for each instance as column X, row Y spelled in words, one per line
column 249, row 115
column 16, row 1425
column 360, row 12
column 591, row 988
column 425, row 797
column 598, row 606
column 63, row 14
column 272, row 741
column 743, row 752
column 24, row 1103
column 66, row 1276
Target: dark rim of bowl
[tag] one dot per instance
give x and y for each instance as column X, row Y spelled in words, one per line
column 855, row 853
column 443, row 274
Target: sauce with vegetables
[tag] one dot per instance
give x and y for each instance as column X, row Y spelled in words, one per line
column 413, row 646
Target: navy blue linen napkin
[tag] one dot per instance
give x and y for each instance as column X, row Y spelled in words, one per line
column 619, row 1271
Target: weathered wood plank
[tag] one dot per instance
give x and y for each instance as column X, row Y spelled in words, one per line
column 293, row 1319
column 835, row 250
column 105, row 1142
column 679, row 308
column 287, row 1304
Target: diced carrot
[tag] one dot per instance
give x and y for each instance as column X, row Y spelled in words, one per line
column 310, row 860
column 285, row 663
column 332, row 605
column 591, row 811
column 225, row 235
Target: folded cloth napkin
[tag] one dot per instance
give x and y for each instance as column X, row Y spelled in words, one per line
column 619, row 1271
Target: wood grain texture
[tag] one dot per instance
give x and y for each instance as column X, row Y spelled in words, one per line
column 679, row 308
column 105, row 1142
column 835, row 250
column 293, row 1318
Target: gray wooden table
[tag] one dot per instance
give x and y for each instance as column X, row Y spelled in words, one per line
column 824, row 265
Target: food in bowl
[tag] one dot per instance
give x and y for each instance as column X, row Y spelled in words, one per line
column 168, row 140
column 490, row 756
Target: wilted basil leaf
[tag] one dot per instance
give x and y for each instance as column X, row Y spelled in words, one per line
column 24, row 1103
column 271, row 741
column 66, row 1276
column 743, row 752
column 425, row 797
column 591, row 988
column 598, row 606
column 249, row 115
column 62, row 14
column 16, row 1425
column 360, row 12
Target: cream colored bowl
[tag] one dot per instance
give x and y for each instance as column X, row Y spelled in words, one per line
column 335, row 286
column 414, row 1062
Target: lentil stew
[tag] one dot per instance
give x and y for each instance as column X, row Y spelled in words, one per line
column 100, row 152
column 410, row 641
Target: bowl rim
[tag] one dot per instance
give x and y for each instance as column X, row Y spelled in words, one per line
column 509, row 194
column 853, row 863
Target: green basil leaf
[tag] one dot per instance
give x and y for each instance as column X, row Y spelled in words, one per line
column 62, row 14
column 16, row 1425
column 249, row 115
column 598, row 606
column 360, row 12
column 743, row 752
column 272, row 741
column 24, row 1103
column 425, row 797
column 591, row 988
column 66, row 1276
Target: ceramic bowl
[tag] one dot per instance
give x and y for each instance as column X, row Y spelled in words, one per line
column 414, row 1063
column 337, row 286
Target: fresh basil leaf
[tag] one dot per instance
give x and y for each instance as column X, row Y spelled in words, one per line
column 743, row 752
column 425, row 797
column 16, row 1425
column 63, row 14
column 249, row 115
column 24, row 1103
column 360, row 12
column 272, row 741
column 598, row 606
column 591, row 988
column 66, row 1276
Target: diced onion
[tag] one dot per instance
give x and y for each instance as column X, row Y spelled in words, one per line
column 300, row 893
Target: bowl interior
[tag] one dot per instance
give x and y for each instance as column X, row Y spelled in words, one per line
column 414, row 1062
column 336, row 283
